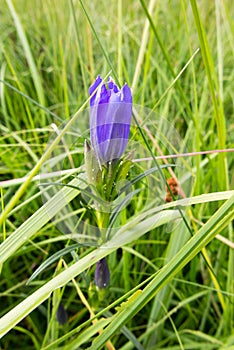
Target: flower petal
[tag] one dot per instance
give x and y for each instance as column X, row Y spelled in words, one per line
column 126, row 94
column 93, row 87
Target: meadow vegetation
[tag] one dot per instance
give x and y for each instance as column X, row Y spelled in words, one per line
column 171, row 264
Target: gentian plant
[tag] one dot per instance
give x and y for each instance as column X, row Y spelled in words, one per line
column 110, row 119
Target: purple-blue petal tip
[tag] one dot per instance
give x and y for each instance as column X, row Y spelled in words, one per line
column 93, row 87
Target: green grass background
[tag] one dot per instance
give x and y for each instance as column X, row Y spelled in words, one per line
column 164, row 294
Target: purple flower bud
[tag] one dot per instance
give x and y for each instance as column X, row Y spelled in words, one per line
column 102, row 274
column 110, row 119
column 61, row 314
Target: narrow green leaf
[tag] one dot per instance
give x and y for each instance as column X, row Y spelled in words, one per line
column 52, row 259
column 31, row 62
column 215, row 95
column 213, row 226
column 9, row 320
column 36, row 221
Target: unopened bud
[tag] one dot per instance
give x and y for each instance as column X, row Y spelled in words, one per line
column 102, row 274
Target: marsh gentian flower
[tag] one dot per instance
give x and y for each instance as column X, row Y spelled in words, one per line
column 102, row 274
column 110, row 118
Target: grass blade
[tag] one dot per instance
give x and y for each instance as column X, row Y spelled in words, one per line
column 31, row 62
column 217, row 222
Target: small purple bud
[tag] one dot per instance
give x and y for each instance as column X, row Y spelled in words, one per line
column 102, row 274
column 61, row 314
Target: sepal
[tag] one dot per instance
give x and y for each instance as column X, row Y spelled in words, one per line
column 93, row 169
